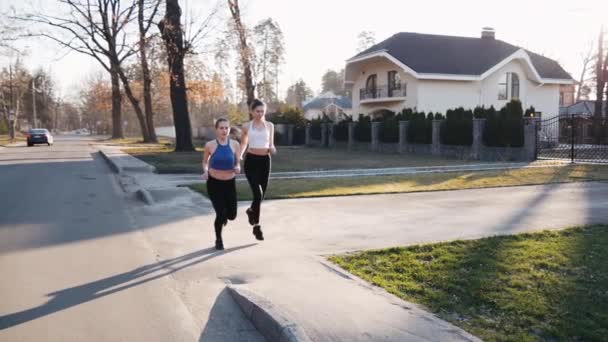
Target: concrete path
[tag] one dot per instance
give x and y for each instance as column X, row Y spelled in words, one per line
column 287, row 268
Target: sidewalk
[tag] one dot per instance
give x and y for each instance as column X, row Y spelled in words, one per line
column 287, row 269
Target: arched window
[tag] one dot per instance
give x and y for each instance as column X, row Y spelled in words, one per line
column 508, row 86
column 370, row 86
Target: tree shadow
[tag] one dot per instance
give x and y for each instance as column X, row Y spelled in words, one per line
column 70, row 297
column 228, row 323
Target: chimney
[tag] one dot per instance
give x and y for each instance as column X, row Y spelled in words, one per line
column 487, row 33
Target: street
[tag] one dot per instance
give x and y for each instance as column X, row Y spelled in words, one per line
column 72, row 268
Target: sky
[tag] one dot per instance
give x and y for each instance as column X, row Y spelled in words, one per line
column 322, row 34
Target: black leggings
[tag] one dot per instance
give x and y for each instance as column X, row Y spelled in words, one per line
column 257, row 170
column 223, row 196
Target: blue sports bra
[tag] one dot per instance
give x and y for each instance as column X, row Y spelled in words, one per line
column 222, row 158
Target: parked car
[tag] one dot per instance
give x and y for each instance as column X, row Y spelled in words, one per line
column 39, row 136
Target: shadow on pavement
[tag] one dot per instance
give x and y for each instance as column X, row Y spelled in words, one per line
column 67, row 298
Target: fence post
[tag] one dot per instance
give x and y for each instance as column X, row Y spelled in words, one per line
column 351, row 135
column 331, row 136
column 375, row 145
column 307, row 135
column 530, row 140
column 478, row 127
column 436, row 146
column 403, row 126
column 324, row 140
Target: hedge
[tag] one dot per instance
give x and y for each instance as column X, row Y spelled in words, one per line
column 315, row 129
column 341, row 130
column 363, row 129
column 457, row 128
column 420, row 129
column 505, row 128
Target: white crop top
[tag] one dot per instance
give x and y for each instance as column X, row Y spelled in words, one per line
column 258, row 138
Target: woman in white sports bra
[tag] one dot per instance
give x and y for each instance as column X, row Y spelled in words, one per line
column 258, row 137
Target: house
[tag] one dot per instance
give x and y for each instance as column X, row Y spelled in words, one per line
column 583, row 113
column 584, row 107
column 335, row 106
column 435, row 73
column 566, row 95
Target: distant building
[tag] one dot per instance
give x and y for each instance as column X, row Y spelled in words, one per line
column 334, row 106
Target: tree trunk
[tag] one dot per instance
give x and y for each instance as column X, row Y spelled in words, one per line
column 117, row 132
column 245, row 53
column 145, row 69
column 171, row 31
column 135, row 103
column 599, row 90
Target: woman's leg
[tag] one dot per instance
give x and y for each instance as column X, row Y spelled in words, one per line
column 263, row 176
column 231, row 203
column 252, row 171
column 217, row 197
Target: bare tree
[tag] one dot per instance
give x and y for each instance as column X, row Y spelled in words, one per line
column 366, row 39
column 144, row 25
column 171, row 29
column 96, row 28
column 244, row 50
column 582, row 83
column 270, row 53
column 600, row 72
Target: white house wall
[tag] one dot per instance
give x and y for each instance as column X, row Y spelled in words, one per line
column 439, row 96
column 381, row 67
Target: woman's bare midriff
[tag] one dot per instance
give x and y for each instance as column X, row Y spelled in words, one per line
column 222, row 174
column 258, row 151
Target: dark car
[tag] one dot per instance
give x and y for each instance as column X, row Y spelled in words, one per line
column 39, row 136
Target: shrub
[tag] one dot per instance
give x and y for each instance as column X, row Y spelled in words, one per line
column 288, row 115
column 341, row 129
column 420, row 129
column 505, row 128
column 530, row 112
column 299, row 135
column 363, row 129
column 389, row 132
column 4, row 127
column 457, row 129
column 278, row 138
column 315, row 129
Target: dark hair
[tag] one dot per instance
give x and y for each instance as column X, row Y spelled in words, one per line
column 220, row 120
column 256, row 103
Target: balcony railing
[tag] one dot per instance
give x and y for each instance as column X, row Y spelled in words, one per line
column 383, row 92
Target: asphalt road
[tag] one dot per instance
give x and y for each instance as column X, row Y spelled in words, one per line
column 72, row 267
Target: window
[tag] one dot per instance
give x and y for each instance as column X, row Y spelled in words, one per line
column 370, row 86
column 508, row 86
column 514, row 86
column 394, row 83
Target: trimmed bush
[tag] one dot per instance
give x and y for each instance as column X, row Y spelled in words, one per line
column 530, row 112
column 299, row 135
column 389, row 131
column 4, row 127
column 420, row 129
column 278, row 139
column 363, row 129
column 341, row 130
column 457, row 128
column 315, row 129
column 505, row 128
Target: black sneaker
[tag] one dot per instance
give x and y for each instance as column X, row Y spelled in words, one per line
column 250, row 215
column 219, row 245
column 257, row 231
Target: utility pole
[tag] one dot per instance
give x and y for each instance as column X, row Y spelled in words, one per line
column 12, row 101
column 34, row 101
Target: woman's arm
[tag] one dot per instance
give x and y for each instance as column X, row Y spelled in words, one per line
column 244, row 141
column 206, row 155
column 271, row 147
column 237, row 157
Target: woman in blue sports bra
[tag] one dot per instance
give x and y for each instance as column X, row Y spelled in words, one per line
column 221, row 163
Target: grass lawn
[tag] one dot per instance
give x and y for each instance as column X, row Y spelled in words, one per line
column 296, row 159
column 319, row 187
column 5, row 139
column 548, row 286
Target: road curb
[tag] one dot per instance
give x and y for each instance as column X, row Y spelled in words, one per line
column 145, row 196
column 267, row 318
column 111, row 163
